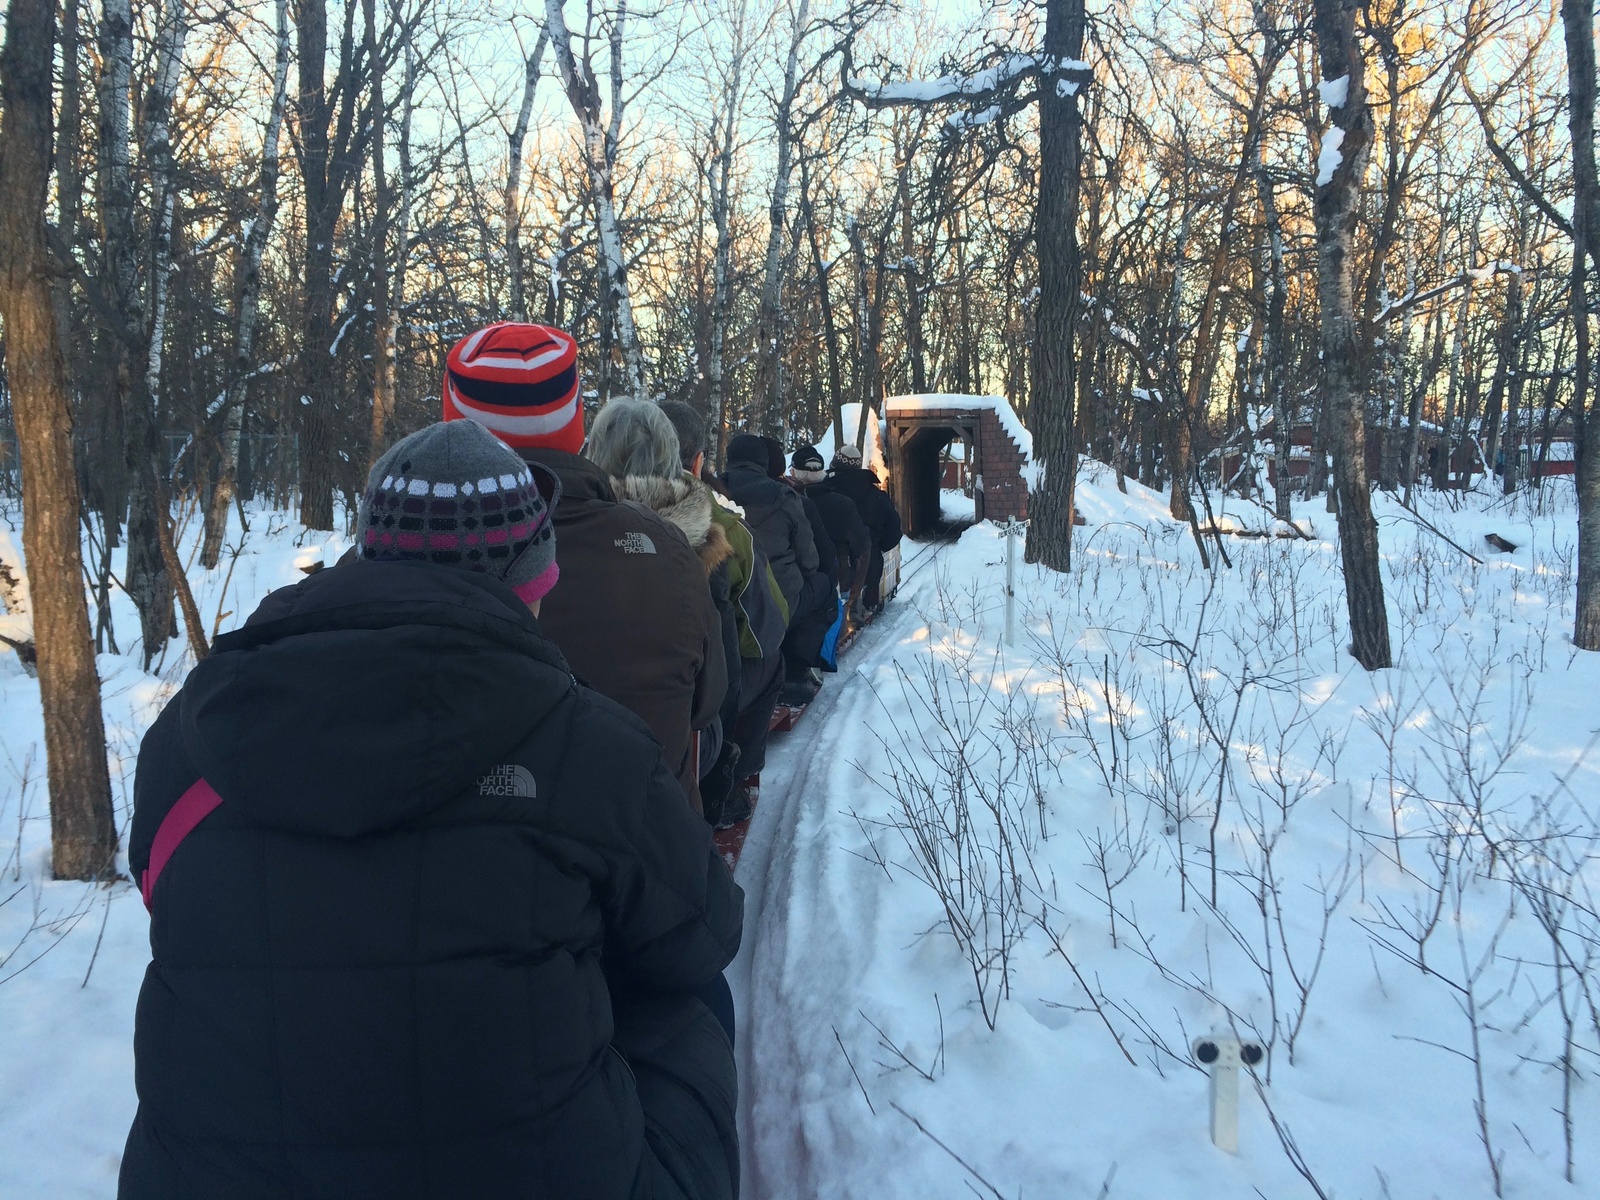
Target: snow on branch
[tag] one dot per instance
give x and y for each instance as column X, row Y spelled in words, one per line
column 1471, row 275
column 995, row 87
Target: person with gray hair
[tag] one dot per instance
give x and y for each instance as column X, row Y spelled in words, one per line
column 634, row 438
column 762, row 616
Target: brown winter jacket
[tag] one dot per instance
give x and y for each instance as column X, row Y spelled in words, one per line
column 632, row 613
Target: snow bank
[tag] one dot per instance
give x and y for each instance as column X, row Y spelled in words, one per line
column 871, row 453
column 867, row 1032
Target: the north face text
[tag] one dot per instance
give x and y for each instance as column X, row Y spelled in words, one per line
column 636, row 543
column 508, row 779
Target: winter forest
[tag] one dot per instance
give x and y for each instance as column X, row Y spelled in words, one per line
column 1279, row 727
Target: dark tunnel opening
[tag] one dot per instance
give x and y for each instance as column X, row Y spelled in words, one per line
column 919, row 471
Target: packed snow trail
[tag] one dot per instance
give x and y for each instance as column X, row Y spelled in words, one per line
column 788, row 843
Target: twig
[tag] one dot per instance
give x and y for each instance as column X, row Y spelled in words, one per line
column 852, row 1067
column 99, row 938
column 1431, row 527
column 970, row 1169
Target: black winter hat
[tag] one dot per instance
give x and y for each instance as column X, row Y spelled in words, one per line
column 807, row 458
column 748, row 448
column 775, row 462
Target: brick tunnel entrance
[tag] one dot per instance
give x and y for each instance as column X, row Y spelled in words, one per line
column 918, row 472
column 920, row 427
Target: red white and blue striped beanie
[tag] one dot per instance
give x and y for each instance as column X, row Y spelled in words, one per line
column 520, row 382
column 451, row 494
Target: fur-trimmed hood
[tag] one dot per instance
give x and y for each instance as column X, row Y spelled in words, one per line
column 687, row 503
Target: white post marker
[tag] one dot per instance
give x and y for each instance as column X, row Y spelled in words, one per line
column 1222, row 1053
column 1011, row 531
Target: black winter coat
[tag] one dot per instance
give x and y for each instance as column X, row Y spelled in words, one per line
column 386, row 965
column 852, row 541
column 878, row 512
column 777, row 521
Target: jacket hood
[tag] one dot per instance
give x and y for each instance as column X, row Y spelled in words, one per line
column 688, row 504
column 368, row 695
column 582, row 482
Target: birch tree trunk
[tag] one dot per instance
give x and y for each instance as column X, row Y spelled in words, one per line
column 769, row 331
column 1577, row 18
column 83, row 832
column 518, row 138
column 1346, row 144
column 249, row 269
column 159, row 162
column 145, row 573
column 1275, row 284
column 724, row 131
column 830, row 330
column 600, row 155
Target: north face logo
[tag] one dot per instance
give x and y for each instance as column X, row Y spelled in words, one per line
column 636, row 543
column 508, row 779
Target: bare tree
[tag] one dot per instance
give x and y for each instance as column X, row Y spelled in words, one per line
column 1057, row 72
column 1577, row 19
column 389, row 281
column 1342, row 161
column 769, row 321
column 600, row 138
column 329, row 151
column 724, row 136
column 517, row 145
column 249, row 268
column 124, row 331
column 82, row 827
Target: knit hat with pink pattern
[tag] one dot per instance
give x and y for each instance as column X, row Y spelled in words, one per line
column 455, row 495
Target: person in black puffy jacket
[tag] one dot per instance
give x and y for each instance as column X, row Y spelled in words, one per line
column 819, row 596
column 851, row 539
column 775, row 515
column 451, row 931
column 850, row 479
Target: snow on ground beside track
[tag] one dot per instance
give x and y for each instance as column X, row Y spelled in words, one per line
column 72, row 955
column 954, row 505
column 870, row 1067
column 843, row 934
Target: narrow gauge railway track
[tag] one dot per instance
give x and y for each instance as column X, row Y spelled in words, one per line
column 897, row 573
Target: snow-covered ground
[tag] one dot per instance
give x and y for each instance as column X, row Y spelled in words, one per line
column 995, row 890
column 980, row 970
column 954, row 505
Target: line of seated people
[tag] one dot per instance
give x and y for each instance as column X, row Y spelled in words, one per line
column 433, row 917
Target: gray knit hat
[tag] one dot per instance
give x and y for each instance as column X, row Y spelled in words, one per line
column 454, row 494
